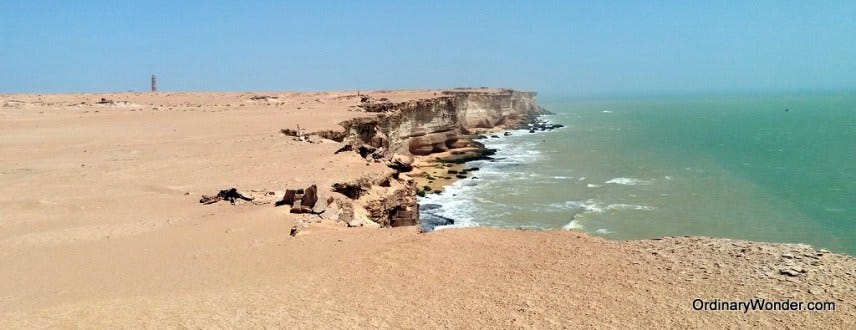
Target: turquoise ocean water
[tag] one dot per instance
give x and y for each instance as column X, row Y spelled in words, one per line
column 765, row 168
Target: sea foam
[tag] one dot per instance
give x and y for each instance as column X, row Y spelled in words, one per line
column 622, row 207
column 460, row 201
column 629, row 181
column 574, row 224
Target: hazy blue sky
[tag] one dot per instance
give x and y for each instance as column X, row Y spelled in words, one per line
column 560, row 47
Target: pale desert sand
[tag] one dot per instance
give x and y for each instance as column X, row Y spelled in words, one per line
column 101, row 227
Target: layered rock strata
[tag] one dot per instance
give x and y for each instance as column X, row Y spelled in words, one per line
column 426, row 126
column 447, row 122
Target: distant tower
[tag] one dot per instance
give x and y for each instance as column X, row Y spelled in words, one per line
column 154, row 83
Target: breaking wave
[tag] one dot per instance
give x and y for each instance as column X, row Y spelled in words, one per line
column 461, row 200
column 629, row 181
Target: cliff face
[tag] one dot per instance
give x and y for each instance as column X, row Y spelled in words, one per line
column 424, row 127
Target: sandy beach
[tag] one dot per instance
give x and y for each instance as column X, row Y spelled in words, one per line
column 102, row 228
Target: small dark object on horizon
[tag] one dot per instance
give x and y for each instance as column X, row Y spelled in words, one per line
column 262, row 97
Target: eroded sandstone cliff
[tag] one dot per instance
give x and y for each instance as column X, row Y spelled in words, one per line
column 423, row 127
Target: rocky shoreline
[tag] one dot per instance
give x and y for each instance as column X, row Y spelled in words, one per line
column 425, row 143
column 442, row 170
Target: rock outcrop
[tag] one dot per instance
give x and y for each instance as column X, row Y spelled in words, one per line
column 426, row 126
column 397, row 131
column 386, row 201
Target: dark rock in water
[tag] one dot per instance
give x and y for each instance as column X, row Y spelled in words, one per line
column 481, row 153
column 507, row 134
column 461, row 176
column 494, row 136
column 429, row 207
column 429, row 221
column 540, row 125
column 452, row 172
column 472, row 169
column 480, row 137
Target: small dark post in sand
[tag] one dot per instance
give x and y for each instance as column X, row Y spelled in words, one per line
column 154, row 83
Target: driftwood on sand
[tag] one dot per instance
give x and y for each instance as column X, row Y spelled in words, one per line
column 228, row 195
